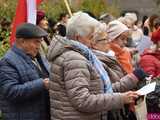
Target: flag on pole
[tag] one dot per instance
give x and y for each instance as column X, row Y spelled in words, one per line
column 25, row 12
column 68, row 8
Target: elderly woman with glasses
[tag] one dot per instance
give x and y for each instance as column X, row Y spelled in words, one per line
column 80, row 88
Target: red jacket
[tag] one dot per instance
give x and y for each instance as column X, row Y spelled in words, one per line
column 150, row 62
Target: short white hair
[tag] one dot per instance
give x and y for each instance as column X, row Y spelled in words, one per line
column 81, row 24
column 129, row 19
column 131, row 16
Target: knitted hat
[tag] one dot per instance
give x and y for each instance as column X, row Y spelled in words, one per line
column 40, row 16
column 116, row 28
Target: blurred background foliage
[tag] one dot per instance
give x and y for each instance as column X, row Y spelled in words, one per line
column 7, row 12
column 52, row 8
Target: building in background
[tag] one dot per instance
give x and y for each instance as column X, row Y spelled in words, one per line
column 143, row 7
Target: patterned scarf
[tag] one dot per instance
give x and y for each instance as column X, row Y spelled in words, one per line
column 96, row 63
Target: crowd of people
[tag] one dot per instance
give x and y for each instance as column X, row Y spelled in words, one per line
column 85, row 69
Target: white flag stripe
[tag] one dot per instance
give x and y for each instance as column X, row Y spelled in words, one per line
column 31, row 11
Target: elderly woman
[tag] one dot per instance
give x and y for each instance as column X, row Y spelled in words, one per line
column 150, row 60
column 42, row 22
column 136, row 34
column 100, row 46
column 118, row 36
column 80, row 88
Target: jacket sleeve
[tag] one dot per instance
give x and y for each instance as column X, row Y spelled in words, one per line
column 126, row 83
column 77, row 82
column 13, row 90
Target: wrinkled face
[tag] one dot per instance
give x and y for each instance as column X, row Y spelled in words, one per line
column 43, row 24
column 31, row 46
column 101, row 45
column 122, row 39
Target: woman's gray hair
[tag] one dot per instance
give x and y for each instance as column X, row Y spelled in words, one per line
column 81, row 24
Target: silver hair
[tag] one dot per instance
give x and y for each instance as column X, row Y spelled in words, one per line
column 81, row 24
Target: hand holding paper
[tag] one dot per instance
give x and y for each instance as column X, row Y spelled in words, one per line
column 147, row 89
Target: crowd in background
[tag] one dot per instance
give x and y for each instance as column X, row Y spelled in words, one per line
column 140, row 30
column 84, row 68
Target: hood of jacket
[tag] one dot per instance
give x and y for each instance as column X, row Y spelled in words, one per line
column 57, row 47
column 156, row 54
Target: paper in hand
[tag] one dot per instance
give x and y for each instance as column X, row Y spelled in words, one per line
column 147, row 89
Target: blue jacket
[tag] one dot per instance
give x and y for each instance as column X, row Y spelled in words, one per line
column 22, row 93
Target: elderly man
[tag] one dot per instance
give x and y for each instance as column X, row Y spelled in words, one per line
column 24, row 77
column 80, row 88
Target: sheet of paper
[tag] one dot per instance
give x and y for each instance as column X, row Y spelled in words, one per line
column 147, row 89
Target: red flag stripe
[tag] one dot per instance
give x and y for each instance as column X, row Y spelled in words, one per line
column 20, row 17
column 38, row 1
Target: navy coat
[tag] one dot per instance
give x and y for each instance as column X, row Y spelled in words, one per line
column 22, row 93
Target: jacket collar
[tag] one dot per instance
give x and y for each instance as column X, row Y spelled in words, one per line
column 20, row 52
column 28, row 58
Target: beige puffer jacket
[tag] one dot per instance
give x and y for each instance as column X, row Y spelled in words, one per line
column 76, row 91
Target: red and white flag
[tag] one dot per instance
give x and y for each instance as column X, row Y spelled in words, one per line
column 25, row 12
